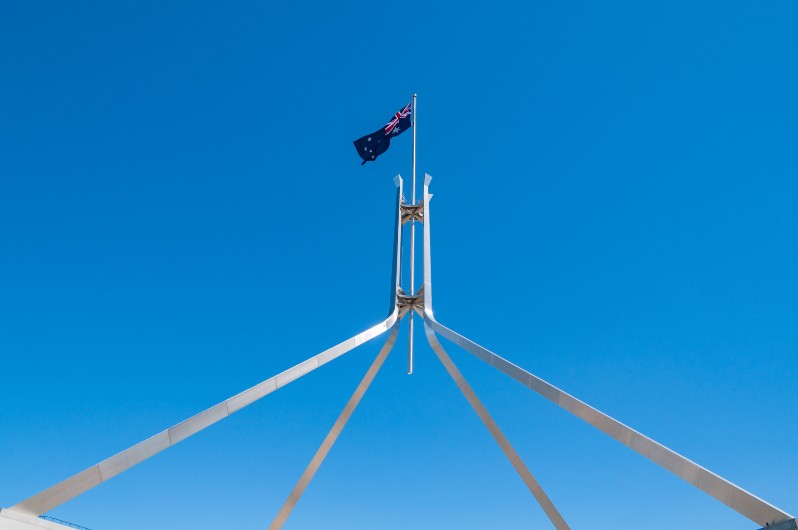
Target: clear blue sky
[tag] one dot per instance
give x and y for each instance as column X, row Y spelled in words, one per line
column 183, row 215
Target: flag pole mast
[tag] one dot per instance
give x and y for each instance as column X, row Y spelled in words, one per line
column 412, row 248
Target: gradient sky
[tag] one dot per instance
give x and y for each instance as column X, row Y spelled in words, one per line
column 182, row 215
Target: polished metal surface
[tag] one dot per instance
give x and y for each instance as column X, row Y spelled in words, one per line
column 721, row 489
column 735, row 497
column 412, row 242
column 410, row 344
column 70, row 488
column 396, row 263
column 332, row 436
column 87, row 479
column 426, row 198
column 533, row 485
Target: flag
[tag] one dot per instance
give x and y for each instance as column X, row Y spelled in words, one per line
column 373, row 145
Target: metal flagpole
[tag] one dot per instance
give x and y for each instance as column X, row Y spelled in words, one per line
column 412, row 247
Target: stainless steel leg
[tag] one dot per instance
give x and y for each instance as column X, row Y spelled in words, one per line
column 87, row 479
column 535, row 488
column 721, row 489
column 329, row 440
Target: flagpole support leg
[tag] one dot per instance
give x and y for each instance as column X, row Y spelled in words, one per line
column 515, row 460
column 335, row 431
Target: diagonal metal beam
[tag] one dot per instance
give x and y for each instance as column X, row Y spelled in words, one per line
column 721, row 489
column 533, row 485
column 87, row 479
column 332, row 436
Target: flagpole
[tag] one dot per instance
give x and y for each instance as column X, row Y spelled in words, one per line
column 412, row 248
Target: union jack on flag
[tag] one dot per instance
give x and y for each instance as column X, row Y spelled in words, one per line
column 373, row 145
column 404, row 113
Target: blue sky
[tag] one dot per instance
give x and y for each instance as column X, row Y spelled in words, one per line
column 183, row 215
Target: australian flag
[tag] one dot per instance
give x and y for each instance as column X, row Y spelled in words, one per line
column 373, row 145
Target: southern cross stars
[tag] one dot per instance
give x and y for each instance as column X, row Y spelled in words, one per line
column 370, row 146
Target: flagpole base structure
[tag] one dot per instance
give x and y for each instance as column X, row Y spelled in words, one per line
column 25, row 514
